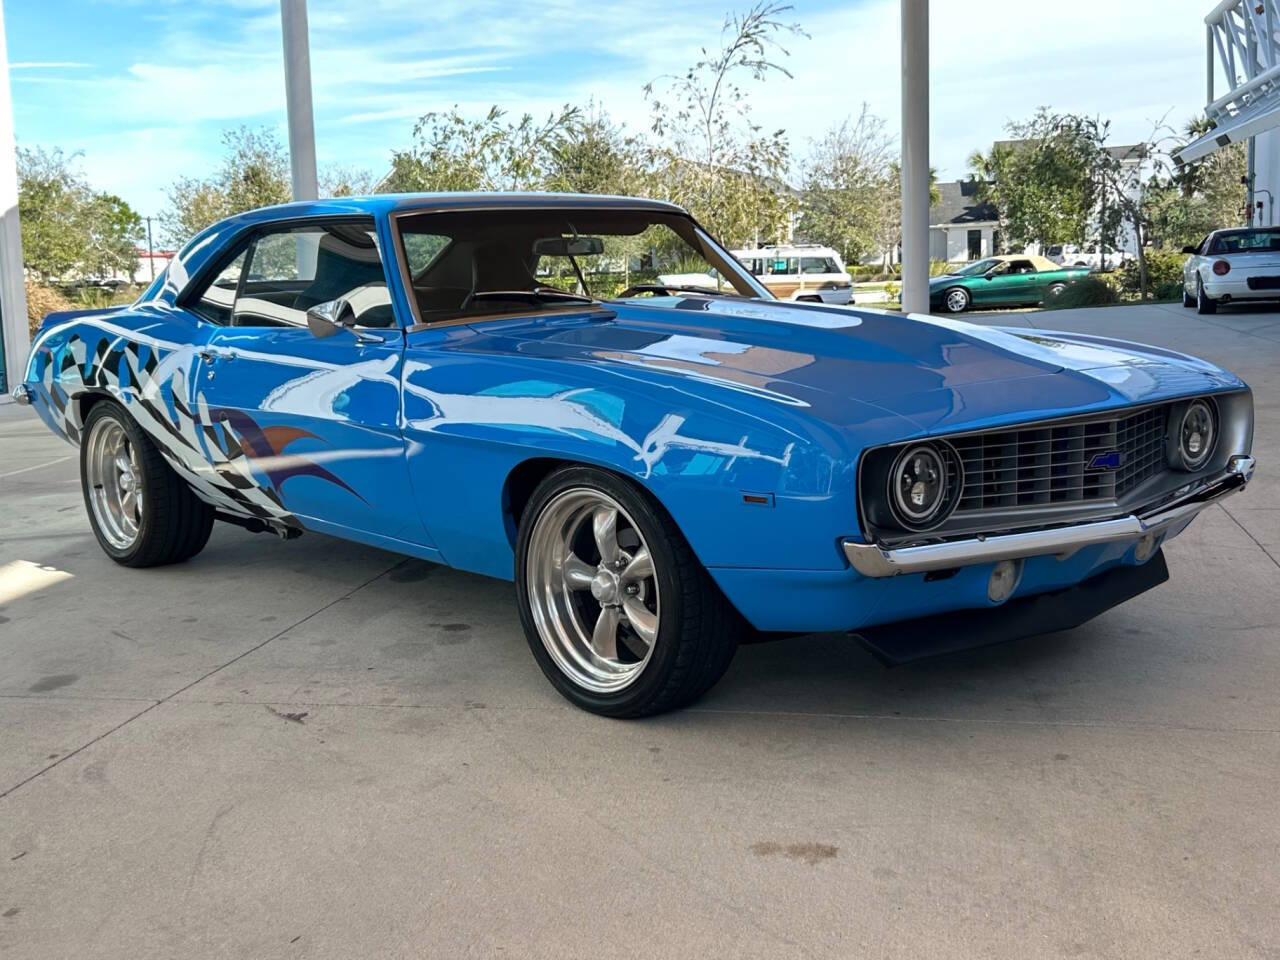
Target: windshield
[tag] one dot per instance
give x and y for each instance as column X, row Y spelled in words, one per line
column 980, row 267
column 1246, row 241
column 517, row 260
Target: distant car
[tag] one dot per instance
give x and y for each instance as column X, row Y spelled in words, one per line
column 1069, row 255
column 802, row 272
column 1230, row 266
column 659, row 470
column 1015, row 280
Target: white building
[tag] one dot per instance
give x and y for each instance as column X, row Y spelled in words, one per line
column 961, row 228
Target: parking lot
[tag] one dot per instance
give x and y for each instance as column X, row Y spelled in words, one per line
column 317, row 749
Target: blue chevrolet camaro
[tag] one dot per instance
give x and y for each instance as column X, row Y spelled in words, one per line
column 588, row 395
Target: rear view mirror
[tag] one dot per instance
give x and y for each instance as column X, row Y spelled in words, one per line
column 568, row 247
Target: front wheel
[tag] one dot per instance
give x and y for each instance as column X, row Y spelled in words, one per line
column 1056, row 290
column 956, row 300
column 142, row 513
column 1188, row 300
column 620, row 615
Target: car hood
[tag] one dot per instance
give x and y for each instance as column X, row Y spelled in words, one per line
column 939, row 373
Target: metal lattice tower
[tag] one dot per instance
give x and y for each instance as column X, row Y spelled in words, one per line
column 1244, row 37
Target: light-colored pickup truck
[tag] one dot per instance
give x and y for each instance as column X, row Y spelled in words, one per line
column 1070, row 255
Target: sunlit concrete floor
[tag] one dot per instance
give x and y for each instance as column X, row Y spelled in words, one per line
column 315, row 749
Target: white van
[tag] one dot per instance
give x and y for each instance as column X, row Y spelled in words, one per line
column 800, row 272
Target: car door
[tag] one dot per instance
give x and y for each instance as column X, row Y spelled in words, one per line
column 312, row 421
column 1026, row 284
column 1191, row 269
column 992, row 288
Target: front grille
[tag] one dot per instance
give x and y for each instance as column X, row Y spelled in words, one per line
column 1055, row 463
column 1263, row 283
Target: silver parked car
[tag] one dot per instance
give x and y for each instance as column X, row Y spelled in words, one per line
column 1228, row 266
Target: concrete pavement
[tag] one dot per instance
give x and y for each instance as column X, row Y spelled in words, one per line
column 316, row 749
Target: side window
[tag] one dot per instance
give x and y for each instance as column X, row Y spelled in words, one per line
column 285, row 272
column 818, row 265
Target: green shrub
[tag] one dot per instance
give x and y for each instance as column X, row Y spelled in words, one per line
column 1164, row 271
column 1086, row 292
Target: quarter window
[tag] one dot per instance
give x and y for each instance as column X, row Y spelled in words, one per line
column 219, row 296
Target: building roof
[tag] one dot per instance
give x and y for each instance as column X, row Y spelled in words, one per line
column 958, row 204
column 1128, row 151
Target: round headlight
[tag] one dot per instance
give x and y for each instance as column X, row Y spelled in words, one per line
column 1196, row 434
column 920, row 490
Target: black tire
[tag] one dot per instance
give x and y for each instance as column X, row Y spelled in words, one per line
column 698, row 628
column 1056, row 290
column 175, row 524
column 956, row 300
column 1188, row 300
column 1204, row 304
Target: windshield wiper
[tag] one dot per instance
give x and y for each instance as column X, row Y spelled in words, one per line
column 547, row 294
column 708, row 291
column 660, row 288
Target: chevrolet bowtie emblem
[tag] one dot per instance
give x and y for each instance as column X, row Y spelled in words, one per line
column 1111, row 460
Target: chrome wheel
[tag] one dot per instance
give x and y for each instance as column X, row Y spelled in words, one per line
column 592, row 590
column 114, row 479
column 957, row 300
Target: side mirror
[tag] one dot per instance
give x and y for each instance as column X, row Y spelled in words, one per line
column 1190, row 250
column 326, row 319
column 989, row 274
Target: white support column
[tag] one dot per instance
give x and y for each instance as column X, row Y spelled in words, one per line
column 915, row 156
column 297, row 89
column 14, row 338
column 1266, row 178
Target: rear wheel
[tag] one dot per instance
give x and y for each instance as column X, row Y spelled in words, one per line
column 620, row 615
column 956, row 300
column 142, row 513
column 1204, row 303
column 1056, row 290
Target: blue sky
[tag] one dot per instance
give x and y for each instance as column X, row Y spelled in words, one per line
column 144, row 88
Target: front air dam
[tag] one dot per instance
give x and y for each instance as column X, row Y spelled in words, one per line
column 932, row 636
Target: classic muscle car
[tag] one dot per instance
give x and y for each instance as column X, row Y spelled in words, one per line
column 502, row 383
column 1014, row 280
column 1230, row 266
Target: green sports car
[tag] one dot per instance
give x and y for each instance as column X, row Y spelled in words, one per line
column 1014, row 280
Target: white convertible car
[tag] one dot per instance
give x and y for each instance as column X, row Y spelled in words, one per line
column 1230, row 266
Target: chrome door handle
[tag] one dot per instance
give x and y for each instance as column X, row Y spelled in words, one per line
column 209, row 354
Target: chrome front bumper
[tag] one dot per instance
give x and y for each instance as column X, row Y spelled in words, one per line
column 874, row 560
